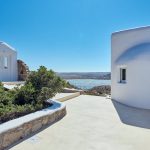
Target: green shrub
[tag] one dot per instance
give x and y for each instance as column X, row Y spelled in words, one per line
column 6, row 97
column 25, row 95
column 45, row 78
column 39, row 87
column 46, row 84
column 44, row 95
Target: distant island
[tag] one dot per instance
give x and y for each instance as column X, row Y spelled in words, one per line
column 85, row 75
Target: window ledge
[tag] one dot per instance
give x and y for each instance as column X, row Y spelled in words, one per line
column 122, row 82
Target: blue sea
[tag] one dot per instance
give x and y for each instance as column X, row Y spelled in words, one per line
column 88, row 83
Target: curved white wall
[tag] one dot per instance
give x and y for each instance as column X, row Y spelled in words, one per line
column 128, row 52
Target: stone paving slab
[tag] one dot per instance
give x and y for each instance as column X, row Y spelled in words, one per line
column 93, row 123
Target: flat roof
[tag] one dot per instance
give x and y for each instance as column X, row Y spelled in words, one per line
column 131, row 29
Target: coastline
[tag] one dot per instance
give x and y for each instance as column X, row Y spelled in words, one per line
column 87, row 84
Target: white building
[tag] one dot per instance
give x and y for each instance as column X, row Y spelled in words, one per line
column 8, row 63
column 131, row 67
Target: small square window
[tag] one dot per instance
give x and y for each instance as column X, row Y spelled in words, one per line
column 123, row 75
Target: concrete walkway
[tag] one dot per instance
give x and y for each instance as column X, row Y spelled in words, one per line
column 92, row 123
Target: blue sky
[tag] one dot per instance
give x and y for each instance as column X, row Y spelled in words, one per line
column 68, row 35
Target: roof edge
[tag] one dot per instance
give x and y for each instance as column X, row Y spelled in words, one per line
column 4, row 43
column 131, row 29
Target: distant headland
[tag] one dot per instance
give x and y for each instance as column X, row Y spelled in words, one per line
column 85, row 75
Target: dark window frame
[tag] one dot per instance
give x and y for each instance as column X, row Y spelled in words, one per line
column 123, row 75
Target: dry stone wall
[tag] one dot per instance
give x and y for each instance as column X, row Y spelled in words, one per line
column 12, row 134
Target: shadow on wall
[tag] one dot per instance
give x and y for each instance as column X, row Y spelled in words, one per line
column 133, row 116
column 134, row 52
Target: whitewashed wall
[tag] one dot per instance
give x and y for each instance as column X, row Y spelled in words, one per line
column 131, row 49
column 9, row 74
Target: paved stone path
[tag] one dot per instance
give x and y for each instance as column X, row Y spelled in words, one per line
column 92, row 123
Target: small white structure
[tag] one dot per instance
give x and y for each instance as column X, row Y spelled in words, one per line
column 8, row 63
column 131, row 67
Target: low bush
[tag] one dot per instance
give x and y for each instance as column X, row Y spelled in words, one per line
column 39, row 87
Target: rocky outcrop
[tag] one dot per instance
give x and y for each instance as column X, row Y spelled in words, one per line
column 23, row 70
column 100, row 90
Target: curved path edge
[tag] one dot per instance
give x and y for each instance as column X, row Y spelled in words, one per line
column 18, row 129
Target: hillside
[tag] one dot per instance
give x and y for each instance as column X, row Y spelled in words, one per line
column 85, row 75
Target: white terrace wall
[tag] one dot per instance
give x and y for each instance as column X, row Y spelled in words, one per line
column 131, row 49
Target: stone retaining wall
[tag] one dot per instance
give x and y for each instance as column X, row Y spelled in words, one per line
column 17, row 129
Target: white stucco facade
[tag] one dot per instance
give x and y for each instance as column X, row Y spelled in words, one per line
column 131, row 53
column 8, row 63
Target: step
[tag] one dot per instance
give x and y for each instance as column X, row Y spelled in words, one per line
column 65, row 96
